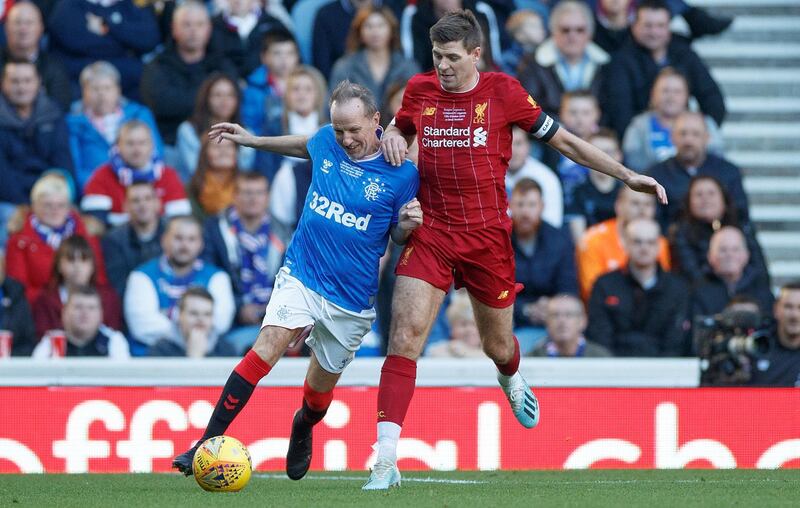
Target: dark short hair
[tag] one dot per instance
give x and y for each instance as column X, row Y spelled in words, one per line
column 141, row 183
column 791, row 286
column 253, row 176
column 346, row 91
column 197, row 292
column 18, row 61
column 183, row 218
column 606, row 133
column 527, row 185
column 458, row 26
column 579, row 94
column 84, row 291
column 277, row 36
column 653, row 5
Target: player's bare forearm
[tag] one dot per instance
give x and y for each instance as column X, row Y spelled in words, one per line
column 588, row 155
column 291, row 146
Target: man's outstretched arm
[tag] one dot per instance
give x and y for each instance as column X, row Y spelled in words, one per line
column 395, row 145
column 585, row 154
column 290, row 146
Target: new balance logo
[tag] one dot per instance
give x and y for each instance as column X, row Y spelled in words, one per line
column 429, row 112
column 230, row 402
column 479, row 137
column 503, row 295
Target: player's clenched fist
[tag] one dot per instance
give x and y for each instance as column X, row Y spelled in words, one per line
column 231, row 131
column 410, row 216
column 394, row 148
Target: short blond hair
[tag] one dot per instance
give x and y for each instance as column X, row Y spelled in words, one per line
column 48, row 185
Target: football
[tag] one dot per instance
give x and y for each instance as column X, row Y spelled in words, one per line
column 222, row 464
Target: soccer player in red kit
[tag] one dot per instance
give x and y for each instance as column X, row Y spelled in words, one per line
column 462, row 120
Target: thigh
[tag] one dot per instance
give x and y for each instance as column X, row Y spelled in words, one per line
column 494, row 324
column 319, row 379
column 486, row 267
column 415, row 306
column 428, row 256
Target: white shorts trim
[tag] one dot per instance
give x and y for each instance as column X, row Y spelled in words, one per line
column 337, row 332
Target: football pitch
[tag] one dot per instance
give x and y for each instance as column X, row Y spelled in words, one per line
column 617, row 488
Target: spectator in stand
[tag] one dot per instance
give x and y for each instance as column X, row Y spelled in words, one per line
column 601, row 249
column 30, row 253
column 94, row 121
column 464, row 341
column 303, row 113
column 24, row 28
column 373, row 57
column 137, row 241
column 690, row 136
column 33, row 137
column 213, row 186
column 566, row 324
column 217, row 101
column 237, row 32
column 593, row 200
column 640, row 310
column 262, row 101
column 154, row 288
column 331, row 25
column 580, row 114
column 117, row 31
column 522, row 166
column 85, row 333
column 707, row 208
column 648, row 139
column 614, row 18
column 243, row 241
column 545, row 262
column 193, row 334
column 15, row 314
column 781, row 367
column 568, row 61
column 731, row 275
column 74, row 267
column 133, row 159
column 527, row 32
column 415, row 34
column 632, row 71
column 171, row 80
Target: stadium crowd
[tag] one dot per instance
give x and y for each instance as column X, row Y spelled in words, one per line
column 125, row 227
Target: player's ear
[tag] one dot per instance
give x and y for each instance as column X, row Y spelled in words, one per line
column 377, row 117
column 476, row 54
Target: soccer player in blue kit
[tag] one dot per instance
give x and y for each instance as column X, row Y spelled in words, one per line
column 325, row 291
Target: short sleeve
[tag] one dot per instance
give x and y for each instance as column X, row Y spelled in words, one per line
column 407, row 191
column 404, row 119
column 318, row 141
column 525, row 112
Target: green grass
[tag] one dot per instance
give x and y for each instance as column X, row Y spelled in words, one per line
column 527, row 489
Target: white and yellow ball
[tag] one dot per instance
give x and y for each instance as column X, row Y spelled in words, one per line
column 222, row 464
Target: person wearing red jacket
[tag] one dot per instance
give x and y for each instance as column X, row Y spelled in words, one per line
column 31, row 251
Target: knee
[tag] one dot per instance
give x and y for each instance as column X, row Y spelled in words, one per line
column 500, row 351
column 267, row 348
column 407, row 341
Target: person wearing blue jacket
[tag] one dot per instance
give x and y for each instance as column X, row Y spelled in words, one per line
column 94, row 121
column 83, row 31
column 33, row 137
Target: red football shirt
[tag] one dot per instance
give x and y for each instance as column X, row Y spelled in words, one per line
column 465, row 144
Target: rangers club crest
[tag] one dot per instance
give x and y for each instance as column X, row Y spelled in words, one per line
column 373, row 188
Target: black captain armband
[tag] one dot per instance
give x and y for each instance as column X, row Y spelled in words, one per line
column 544, row 128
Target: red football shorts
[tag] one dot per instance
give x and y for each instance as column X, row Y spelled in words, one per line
column 481, row 261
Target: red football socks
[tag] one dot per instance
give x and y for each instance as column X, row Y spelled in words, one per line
column 511, row 368
column 315, row 404
column 398, row 378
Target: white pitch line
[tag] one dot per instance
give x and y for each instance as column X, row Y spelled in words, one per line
column 355, row 479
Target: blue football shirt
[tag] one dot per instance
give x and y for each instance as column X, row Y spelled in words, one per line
column 344, row 228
